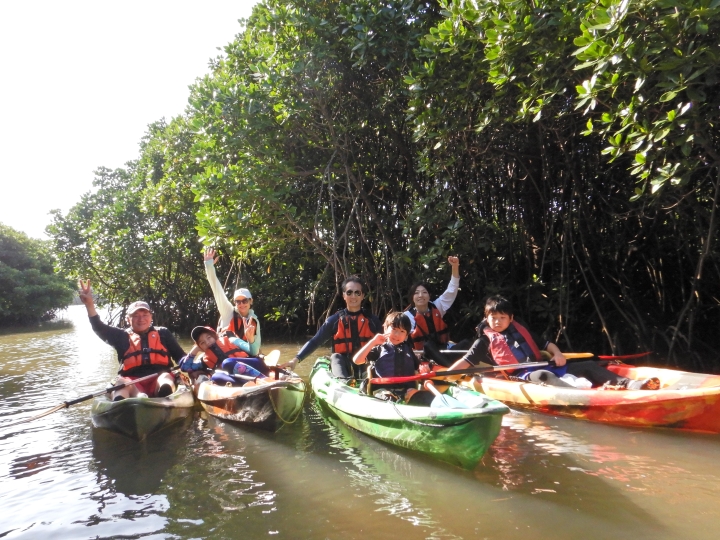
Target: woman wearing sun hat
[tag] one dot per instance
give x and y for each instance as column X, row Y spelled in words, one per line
column 239, row 319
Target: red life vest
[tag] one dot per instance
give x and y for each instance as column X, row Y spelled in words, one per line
column 237, row 326
column 428, row 325
column 353, row 331
column 145, row 349
column 523, row 347
column 220, row 350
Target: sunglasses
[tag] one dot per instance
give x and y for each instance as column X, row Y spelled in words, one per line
column 242, row 301
column 350, row 292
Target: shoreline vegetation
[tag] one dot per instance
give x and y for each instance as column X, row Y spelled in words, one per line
column 31, row 292
column 564, row 151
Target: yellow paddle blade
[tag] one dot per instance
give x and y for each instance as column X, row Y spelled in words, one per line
column 271, row 359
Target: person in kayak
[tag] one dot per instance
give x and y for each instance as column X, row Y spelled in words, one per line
column 142, row 349
column 390, row 354
column 239, row 319
column 222, row 353
column 429, row 333
column 350, row 329
column 502, row 340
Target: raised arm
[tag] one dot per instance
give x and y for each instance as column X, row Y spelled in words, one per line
column 224, row 305
column 446, row 299
column 86, row 297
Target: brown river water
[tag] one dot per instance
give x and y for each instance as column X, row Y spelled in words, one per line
column 544, row 477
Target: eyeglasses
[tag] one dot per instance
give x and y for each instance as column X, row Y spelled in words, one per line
column 350, row 292
column 242, row 301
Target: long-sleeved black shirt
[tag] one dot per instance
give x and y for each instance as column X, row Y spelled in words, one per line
column 119, row 339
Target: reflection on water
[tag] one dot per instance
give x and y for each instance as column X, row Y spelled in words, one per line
column 29, row 465
column 135, row 468
column 386, row 475
column 544, row 477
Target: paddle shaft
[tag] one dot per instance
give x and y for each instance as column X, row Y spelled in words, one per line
column 568, row 356
column 428, row 385
column 623, row 357
column 576, row 355
column 449, row 373
column 66, row 404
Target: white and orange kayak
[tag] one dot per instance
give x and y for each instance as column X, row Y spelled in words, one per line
column 688, row 401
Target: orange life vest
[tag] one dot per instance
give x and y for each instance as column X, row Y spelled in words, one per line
column 237, row 325
column 428, row 325
column 522, row 348
column 220, row 350
column 353, row 331
column 145, row 349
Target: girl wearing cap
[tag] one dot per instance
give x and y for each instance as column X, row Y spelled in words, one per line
column 222, row 353
column 239, row 319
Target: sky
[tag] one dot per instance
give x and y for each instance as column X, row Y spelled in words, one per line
column 81, row 80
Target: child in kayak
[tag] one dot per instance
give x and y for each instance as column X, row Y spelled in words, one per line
column 224, row 354
column 391, row 354
column 502, row 340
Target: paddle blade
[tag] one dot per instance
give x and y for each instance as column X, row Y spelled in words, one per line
column 443, row 401
column 447, row 402
column 272, row 358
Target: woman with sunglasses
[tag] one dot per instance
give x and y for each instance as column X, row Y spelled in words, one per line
column 350, row 328
column 239, row 319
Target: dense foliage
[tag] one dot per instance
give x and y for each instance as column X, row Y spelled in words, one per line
column 568, row 152
column 30, row 290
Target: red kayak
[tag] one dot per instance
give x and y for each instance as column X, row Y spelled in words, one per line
column 689, row 401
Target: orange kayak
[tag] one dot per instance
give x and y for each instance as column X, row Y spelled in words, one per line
column 689, row 401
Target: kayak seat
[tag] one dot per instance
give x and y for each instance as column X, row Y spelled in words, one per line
column 224, row 379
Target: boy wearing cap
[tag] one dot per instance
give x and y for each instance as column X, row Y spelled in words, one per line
column 239, row 319
column 142, row 349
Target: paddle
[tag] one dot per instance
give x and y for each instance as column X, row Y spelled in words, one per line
column 443, row 401
column 441, row 374
column 569, row 355
column 624, row 357
column 66, row 404
column 271, row 360
column 577, row 355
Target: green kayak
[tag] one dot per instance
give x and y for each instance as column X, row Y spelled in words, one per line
column 459, row 436
column 139, row 417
